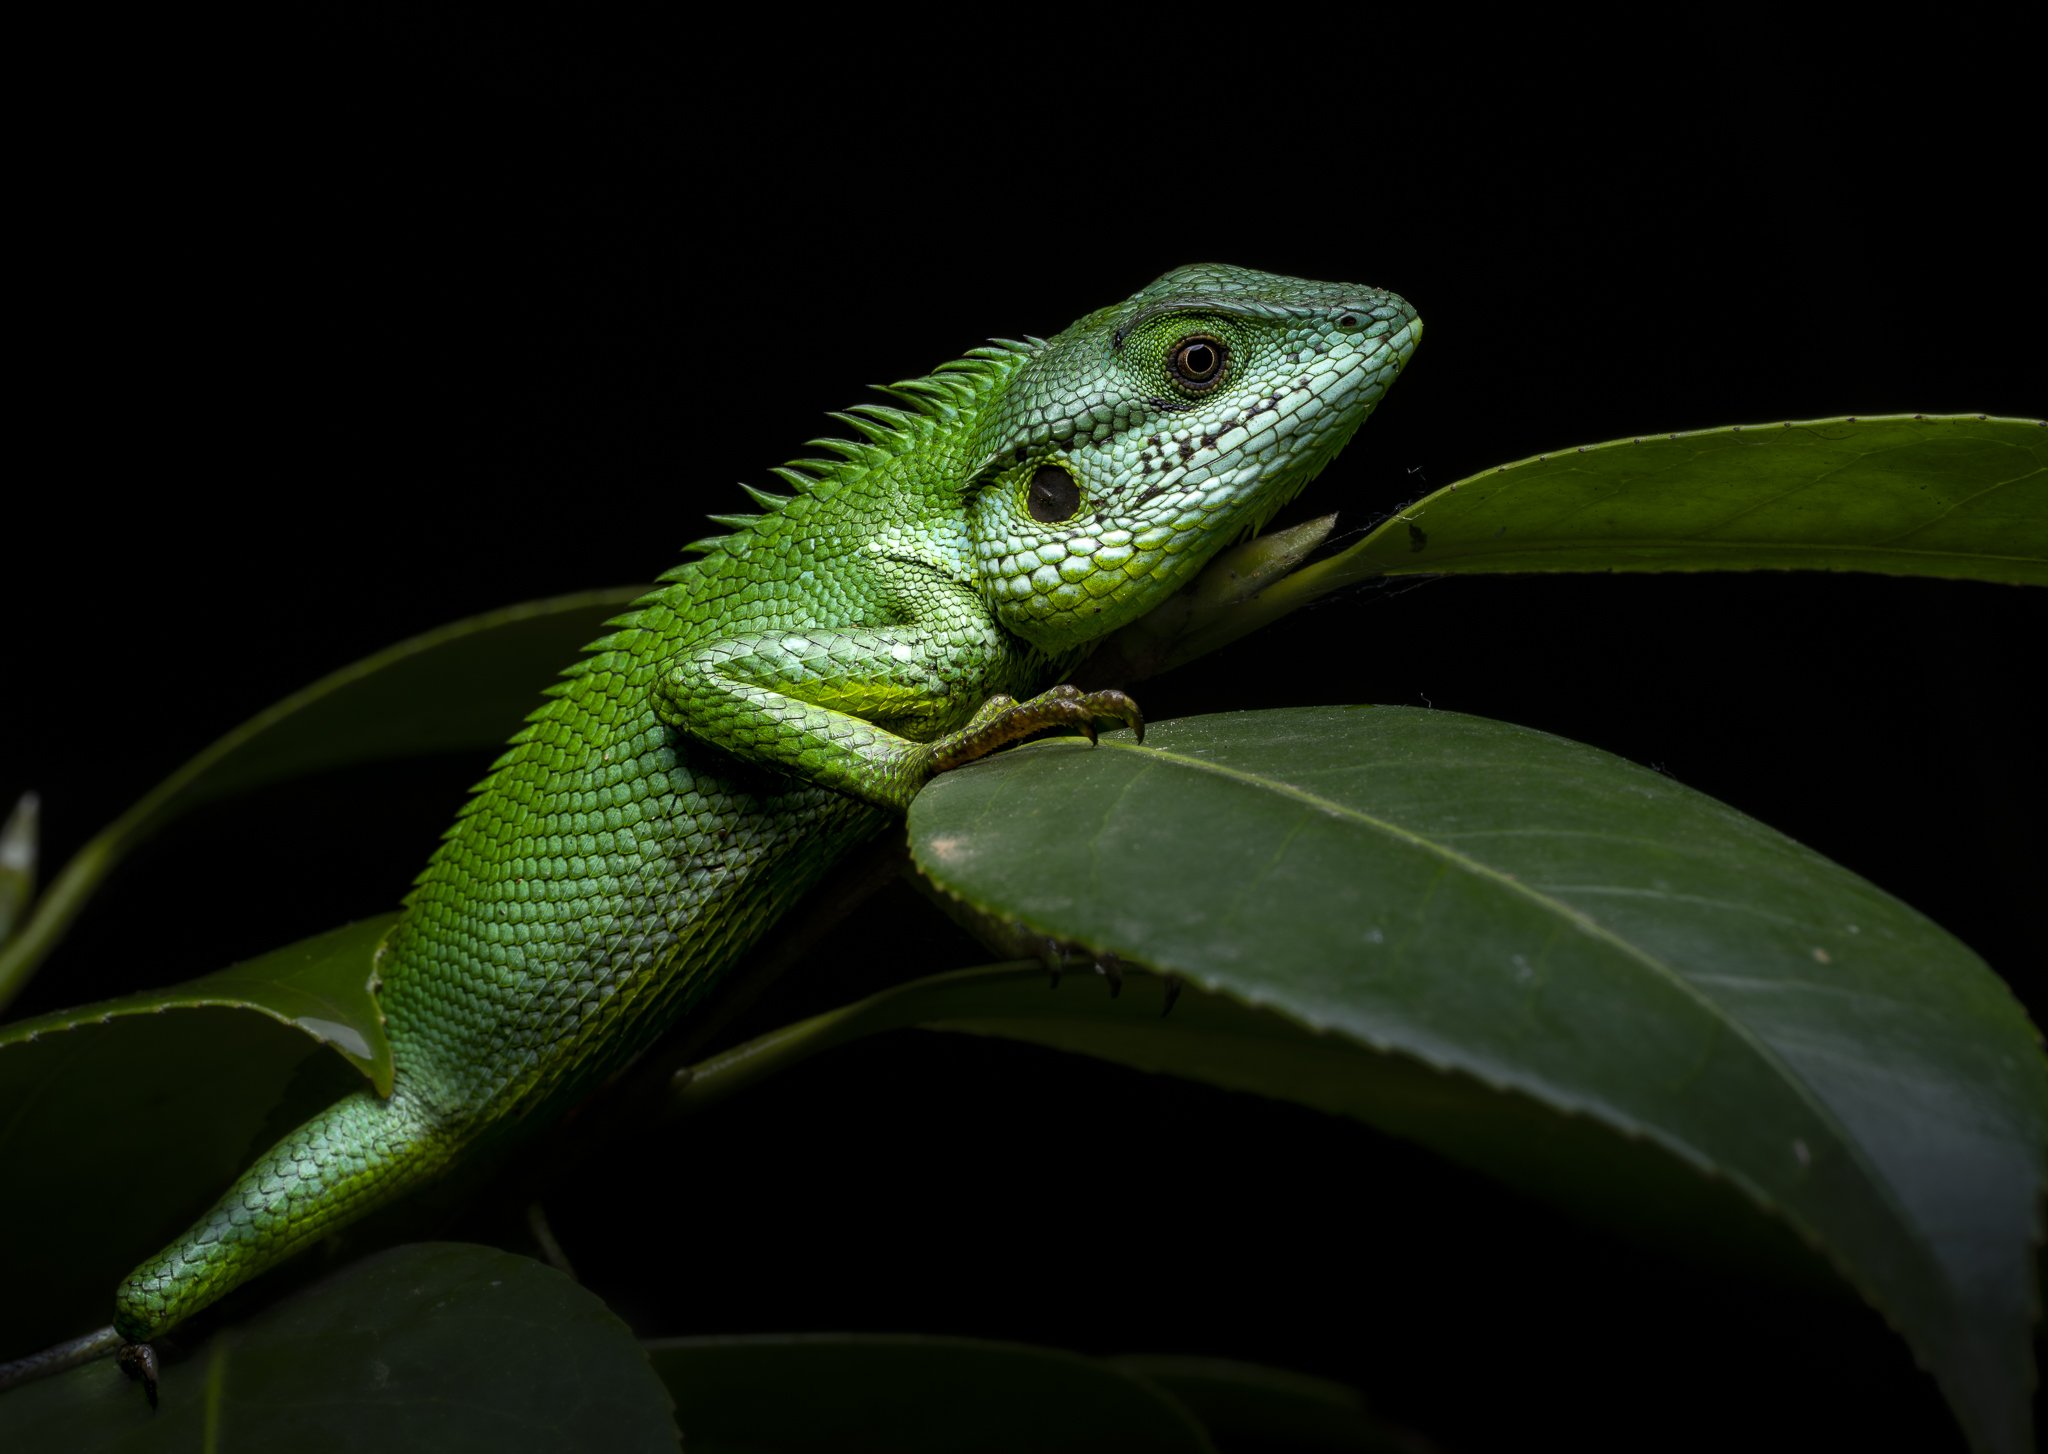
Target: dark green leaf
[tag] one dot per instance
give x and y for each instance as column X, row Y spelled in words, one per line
column 463, row 686
column 1957, row 496
column 116, row 1136
column 1246, row 1406
column 1496, row 903
column 429, row 1348
column 17, row 864
column 319, row 985
column 136, row 1113
column 832, row 1392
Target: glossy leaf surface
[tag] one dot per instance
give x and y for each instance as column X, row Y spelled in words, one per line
column 428, row 1347
column 1958, row 496
column 1490, row 902
column 319, row 985
column 124, row 1120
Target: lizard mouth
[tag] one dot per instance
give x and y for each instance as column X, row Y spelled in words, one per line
column 1412, row 340
column 1368, row 385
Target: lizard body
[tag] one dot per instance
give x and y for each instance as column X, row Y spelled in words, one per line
column 780, row 696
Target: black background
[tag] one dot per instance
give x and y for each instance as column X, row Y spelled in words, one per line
column 339, row 332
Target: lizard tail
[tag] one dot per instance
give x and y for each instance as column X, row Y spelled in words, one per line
column 353, row 1157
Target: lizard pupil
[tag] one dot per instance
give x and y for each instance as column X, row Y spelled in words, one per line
column 1053, row 496
column 1197, row 362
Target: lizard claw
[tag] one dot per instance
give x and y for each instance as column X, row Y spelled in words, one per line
column 138, row 1360
column 1173, row 983
column 1115, row 706
column 1061, row 706
column 1054, row 958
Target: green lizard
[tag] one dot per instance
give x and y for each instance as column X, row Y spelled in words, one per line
column 780, row 696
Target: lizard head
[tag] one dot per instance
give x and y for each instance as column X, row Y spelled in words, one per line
column 1135, row 445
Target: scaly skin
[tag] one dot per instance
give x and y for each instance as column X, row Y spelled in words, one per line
column 781, row 696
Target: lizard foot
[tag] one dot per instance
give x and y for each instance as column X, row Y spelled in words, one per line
column 138, row 1360
column 1058, row 957
column 1061, row 706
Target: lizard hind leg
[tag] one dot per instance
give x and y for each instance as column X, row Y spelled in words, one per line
column 351, row 1158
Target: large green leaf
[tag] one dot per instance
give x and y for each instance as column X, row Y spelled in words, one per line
column 462, row 686
column 115, row 1136
column 1491, row 902
column 319, row 985
column 134, row 1114
column 430, row 1347
column 1957, row 496
column 792, row 1393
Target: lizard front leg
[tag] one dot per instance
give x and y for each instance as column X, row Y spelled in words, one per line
column 812, row 703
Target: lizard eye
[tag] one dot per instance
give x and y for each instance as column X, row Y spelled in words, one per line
column 1197, row 362
column 1053, row 495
